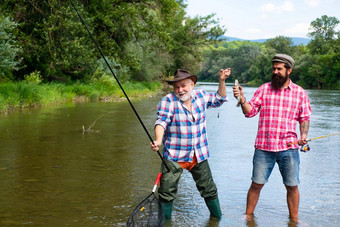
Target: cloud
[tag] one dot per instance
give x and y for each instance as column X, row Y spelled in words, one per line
column 253, row 30
column 268, row 8
column 300, row 29
column 264, row 16
column 286, row 6
column 312, row 3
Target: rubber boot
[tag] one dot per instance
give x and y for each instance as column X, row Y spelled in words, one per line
column 214, row 207
column 167, row 210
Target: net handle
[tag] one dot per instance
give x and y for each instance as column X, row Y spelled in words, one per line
column 156, row 182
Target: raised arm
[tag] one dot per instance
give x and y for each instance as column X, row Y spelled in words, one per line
column 224, row 74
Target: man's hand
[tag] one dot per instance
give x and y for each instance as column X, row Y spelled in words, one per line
column 302, row 142
column 237, row 92
column 155, row 145
column 225, row 73
column 246, row 107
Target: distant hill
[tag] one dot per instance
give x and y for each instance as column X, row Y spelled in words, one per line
column 296, row 40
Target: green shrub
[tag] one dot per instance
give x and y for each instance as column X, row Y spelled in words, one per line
column 34, row 77
column 82, row 89
column 29, row 93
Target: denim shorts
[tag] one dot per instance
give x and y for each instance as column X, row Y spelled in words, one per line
column 288, row 162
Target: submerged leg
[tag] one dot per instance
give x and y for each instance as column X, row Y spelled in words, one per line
column 206, row 186
column 167, row 209
column 253, row 197
column 168, row 187
column 293, row 198
column 214, row 207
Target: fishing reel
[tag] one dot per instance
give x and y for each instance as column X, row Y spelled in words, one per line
column 305, row 148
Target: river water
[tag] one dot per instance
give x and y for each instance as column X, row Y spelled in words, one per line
column 52, row 174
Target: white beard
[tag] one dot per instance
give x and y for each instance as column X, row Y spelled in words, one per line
column 184, row 97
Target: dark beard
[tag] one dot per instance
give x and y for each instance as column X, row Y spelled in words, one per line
column 278, row 81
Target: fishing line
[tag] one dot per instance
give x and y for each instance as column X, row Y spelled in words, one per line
column 121, row 87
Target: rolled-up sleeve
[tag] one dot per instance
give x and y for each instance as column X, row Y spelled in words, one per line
column 305, row 109
column 214, row 99
column 255, row 103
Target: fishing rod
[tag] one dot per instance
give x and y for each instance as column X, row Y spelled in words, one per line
column 121, row 87
column 306, row 147
column 317, row 138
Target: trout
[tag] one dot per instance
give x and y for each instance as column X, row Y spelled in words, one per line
column 237, row 85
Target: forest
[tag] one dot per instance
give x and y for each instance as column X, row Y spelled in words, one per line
column 146, row 41
column 142, row 40
column 317, row 65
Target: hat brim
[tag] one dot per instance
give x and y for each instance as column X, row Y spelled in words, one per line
column 192, row 77
column 283, row 61
column 279, row 60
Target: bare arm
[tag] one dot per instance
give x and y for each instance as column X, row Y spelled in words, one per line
column 159, row 133
column 304, row 127
column 224, row 74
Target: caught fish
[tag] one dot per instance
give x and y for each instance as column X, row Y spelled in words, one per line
column 237, row 85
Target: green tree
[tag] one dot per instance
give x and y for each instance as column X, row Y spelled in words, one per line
column 238, row 55
column 189, row 37
column 324, row 28
column 325, row 48
column 261, row 71
column 323, row 34
column 146, row 39
column 215, row 59
column 317, row 65
column 281, row 45
column 52, row 42
column 9, row 50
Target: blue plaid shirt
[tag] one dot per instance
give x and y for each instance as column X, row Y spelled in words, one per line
column 185, row 131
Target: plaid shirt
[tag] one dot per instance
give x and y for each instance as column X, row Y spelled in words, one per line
column 280, row 110
column 185, row 131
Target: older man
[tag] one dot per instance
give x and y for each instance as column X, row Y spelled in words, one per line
column 181, row 127
column 281, row 104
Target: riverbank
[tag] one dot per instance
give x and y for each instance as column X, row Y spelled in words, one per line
column 26, row 94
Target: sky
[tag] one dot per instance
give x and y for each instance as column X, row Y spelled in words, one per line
column 263, row 19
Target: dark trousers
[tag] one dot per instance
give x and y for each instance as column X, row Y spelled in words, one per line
column 201, row 174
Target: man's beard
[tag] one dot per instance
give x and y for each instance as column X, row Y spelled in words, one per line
column 184, row 97
column 278, row 81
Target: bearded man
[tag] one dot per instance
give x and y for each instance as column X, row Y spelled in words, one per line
column 181, row 128
column 281, row 104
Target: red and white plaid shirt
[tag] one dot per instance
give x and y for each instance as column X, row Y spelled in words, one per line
column 279, row 112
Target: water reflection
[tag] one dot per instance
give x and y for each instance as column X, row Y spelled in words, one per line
column 54, row 175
